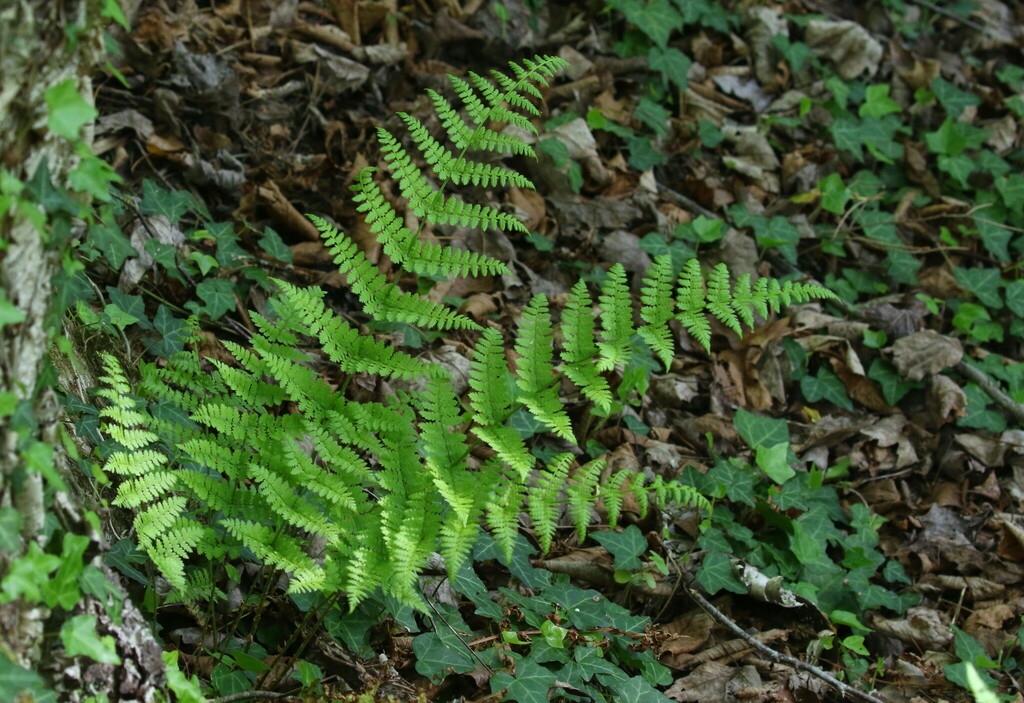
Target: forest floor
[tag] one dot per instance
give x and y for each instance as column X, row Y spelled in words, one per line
column 874, row 147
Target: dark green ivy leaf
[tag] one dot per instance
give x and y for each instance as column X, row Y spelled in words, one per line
column 626, row 546
column 715, row 574
column 172, row 204
column 219, row 296
column 825, row 386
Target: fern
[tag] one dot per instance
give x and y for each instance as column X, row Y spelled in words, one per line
column 261, row 454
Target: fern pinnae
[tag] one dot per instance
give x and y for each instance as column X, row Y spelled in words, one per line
column 582, row 494
column 579, row 347
column 616, row 319
column 691, row 299
column 535, row 373
column 543, row 500
column 491, row 400
column 379, row 298
column 445, row 448
column 720, row 298
column 657, row 308
column 457, row 169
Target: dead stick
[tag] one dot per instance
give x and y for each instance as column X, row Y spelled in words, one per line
column 765, row 650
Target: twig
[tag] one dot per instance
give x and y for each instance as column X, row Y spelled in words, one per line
column 768, row 652
column 992, row 389
column 951, row 15
column 245, row 695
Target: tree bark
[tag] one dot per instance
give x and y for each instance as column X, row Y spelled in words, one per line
column 43, row 44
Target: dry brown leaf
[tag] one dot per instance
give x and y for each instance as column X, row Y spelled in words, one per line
column 925, row 353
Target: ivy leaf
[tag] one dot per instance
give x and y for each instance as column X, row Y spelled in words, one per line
column 530, row 683
column 834, row 194
column 626, row 546
column 825, row 386
column 737, row 478
column 774, row 462
column 977, row 414
column 131, row 305
column 761, row 431
column 27, row 573
column 67, row 110
column 877, row 102
column 62, row 589
column 172, row 333
column 10, row 314
column 118, row 317
column 709, row 133
column 656, row 19
column 10, row 529
column 716, row 574
column 1012, row 190
column 172, row 204
column 14, row 679
column 436, row 658
column 902, row 265
column 273, row 244
column 228, row 680
column 892, row 384
column 653, row 115
column 672, row 64
column 78, row 634
column 804, row 545
column 634, row 689
column 111, row 243
column 122, row 556
column 876, row 133
column 953, row 137
column 1015, row 298
column 952, row 99
column 960, row 167
column 219, row 296
column 642, row 154
column 984, row 283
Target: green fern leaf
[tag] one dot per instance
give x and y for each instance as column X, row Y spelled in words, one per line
column 543, row 501
column 580, row 348
column 582, row 494
column 616, row 319
column 657, row 309
column 535, row 346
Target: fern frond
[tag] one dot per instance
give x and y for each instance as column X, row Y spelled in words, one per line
column 543, row 501
column 720, row 298
column 613, row 493
column 657, row 309
column 135, row 463
column 459, row 170
column 616, row 319
column 482, row 138
column 380, row 299
column 502, row 511
column 691, row 299
column 353, row 352
column 444, row 448
column 145, row 489
column 157, row 519
column 424, row 200
column 535, row 346
column 491, row 400
column 579, row 349
column 279, row 549
column 582, row 493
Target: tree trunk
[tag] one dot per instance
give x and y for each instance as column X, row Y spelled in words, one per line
column 46, row 44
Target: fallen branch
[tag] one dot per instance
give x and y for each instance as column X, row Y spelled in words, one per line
column 992, row 389
column 768, row 652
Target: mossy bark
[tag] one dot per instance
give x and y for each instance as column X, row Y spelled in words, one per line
column 43, row 44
